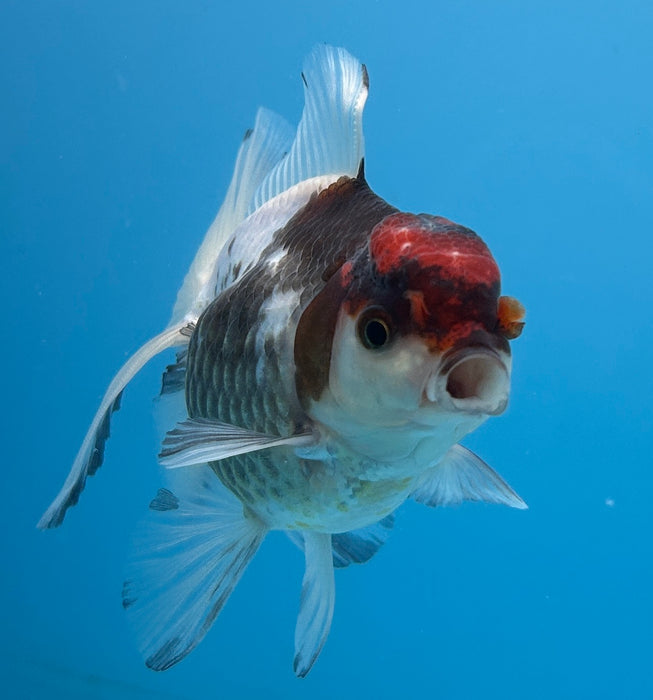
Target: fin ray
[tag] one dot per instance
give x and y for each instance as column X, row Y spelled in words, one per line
column 189, row 555
column 262, row 147
column 463, row 476
column 359, row 546
column 329, row 137
column 199, row 440
column 317, row 601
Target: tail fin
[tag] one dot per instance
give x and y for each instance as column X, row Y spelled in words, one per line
column 189, row 555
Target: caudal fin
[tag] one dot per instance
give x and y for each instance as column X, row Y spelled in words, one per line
column 189, row 554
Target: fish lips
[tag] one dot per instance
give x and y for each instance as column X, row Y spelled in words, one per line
column 473, row 380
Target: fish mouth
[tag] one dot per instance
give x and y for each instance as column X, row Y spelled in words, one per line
column 472, row 380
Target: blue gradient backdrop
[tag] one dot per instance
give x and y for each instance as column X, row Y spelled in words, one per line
column 530, row 122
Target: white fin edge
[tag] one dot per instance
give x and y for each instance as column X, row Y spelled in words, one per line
column 329, row 136
column 262, row 147
column 200, row 440
column 316, row 603
column 187, row 557
column 74, row 484
column 463, row 476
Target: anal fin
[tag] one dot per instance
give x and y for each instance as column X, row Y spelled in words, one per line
column 356, row 546
column 317, row 602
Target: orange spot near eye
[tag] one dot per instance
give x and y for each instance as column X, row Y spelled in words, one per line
column 418, row 309
column 346, row 275
column 510, row 314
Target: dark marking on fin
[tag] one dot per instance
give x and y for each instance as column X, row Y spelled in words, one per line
column 366, row 76
column 349, row 548
column 360, row 175
column 168, row 655
column 97, row 453
column 248, row 133
column 93, row 463
column 174, row 378
column 188, row 330
column 127, row 599
column 304, row 79
column 164, row 500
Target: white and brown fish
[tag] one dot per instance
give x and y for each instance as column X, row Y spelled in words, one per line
column 332, row 354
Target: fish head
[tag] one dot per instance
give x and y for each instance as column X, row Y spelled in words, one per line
column 411, row 329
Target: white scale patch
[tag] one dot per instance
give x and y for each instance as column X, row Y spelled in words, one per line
column 243, row 248
column 275, row 259
column 273, row 318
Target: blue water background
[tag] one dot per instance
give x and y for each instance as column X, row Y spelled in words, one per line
column 530, row 122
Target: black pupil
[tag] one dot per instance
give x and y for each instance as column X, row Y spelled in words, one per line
column 376, row 333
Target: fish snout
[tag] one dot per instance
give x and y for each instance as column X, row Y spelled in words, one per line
column 472, row 380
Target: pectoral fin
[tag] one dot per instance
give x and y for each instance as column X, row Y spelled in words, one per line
column 91, row 452
column 199, row 440
column 462, row 476
column 317, row 601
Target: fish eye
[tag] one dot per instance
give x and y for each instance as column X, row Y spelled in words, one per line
column 374, row 328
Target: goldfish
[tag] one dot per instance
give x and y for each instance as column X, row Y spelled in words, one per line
column 332, row 352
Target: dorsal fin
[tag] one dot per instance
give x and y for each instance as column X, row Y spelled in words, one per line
column 260, row 150
column 328, row 141
column 329, row 137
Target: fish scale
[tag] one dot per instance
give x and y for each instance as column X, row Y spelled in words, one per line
column 223, row 337
column 231, row 392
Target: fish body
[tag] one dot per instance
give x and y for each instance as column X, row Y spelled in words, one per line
column 250, row 379
column 334, row 351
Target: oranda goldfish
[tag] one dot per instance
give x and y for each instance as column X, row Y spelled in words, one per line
column 332, row 353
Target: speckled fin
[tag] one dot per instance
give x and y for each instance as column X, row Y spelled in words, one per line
column 91, row 453
column 329, row 139
column 316, row 603
column 356, row 546
column 199, row 440
column 262, row 147
column 463, row 476
column 189, row 554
